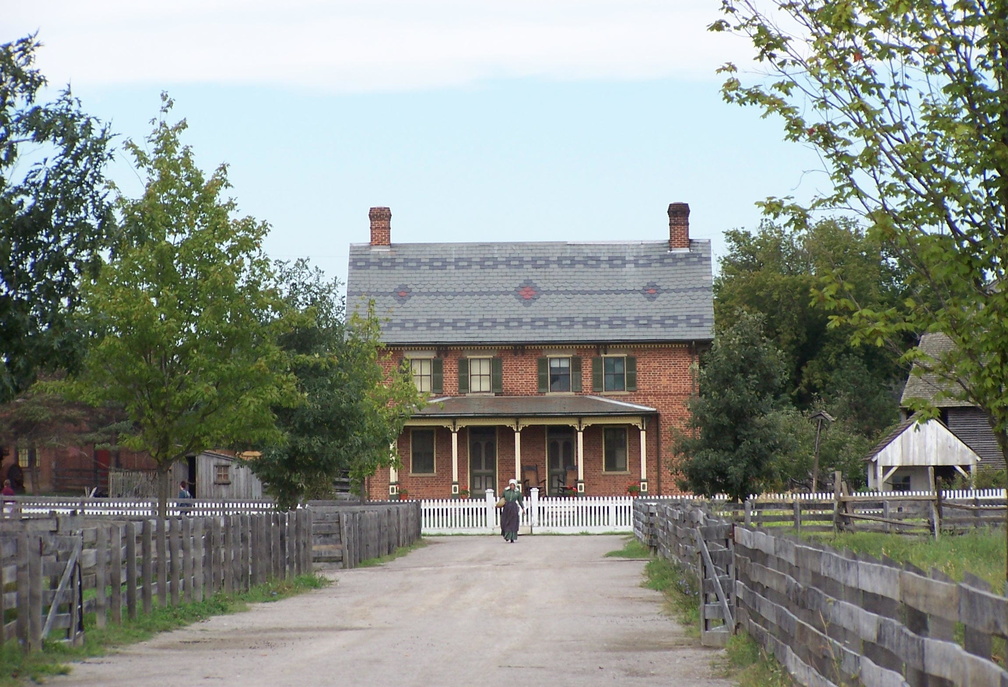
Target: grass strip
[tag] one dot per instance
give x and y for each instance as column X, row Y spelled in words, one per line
column 16, row 666
column 745, row 663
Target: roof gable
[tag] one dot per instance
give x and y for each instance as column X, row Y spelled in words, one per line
column 922, row 444
column 535, row 292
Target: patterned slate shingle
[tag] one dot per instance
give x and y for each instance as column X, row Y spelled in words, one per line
column 535, row 292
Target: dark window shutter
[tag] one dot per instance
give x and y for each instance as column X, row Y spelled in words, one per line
column 463, row 386
column 543, row 375
column 437, row 376
column 631, row 373
column 597, row 380
column 497, row 375
column 575, row 374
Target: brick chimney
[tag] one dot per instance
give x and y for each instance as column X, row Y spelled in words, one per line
column 381, row 226
column 678, row 218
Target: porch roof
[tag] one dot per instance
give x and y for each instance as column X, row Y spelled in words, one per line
column 530, row 406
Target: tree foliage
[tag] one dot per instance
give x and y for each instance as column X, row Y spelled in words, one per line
column 905, row 103
column 349, row 410
column 732, row 437
column 55, row 217
column 182, row 315
column 779, row 273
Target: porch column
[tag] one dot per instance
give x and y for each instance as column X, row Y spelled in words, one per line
column 454, row 439
column 579, row 458
column 643, row 459
column 518, row 475
column 393, row 475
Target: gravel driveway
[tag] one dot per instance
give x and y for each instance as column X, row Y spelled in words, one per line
column 547, row 610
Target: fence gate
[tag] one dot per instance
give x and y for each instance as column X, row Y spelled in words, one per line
column 69, row 594
column 717, row 583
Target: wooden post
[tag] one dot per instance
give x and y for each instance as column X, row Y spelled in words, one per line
column 837, row 521
column 23, row 576
column 147, row 564
column 198, row 552
column 175, row 545
column 279, row 567
column 162, row 560
column 214, row 556
column 35, row 592
column 101, row 575
column 115, row 570
column 227, row 564
column 186, row 591
column 131, row 571
column 255, row 552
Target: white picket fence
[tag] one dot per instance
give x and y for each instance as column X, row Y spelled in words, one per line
column 607, row 514
column 545, row 515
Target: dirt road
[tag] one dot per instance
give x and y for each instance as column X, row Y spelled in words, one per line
column 461, row 611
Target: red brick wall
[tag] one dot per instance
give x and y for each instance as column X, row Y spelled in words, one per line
column 664, row 382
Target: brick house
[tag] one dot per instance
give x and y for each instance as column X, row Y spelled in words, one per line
column 561, row 364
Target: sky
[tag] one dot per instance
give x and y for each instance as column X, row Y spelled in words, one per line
column 525, row 120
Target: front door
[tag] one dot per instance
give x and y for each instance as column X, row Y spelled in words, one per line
column 482, row 460
column 559, row 456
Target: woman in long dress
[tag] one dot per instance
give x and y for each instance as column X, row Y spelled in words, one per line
column 510, row 515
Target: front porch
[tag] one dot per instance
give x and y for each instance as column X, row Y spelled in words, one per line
column 560, row 445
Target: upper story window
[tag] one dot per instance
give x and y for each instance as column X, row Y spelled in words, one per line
column 559, row 373
column 614, row 373
column 481, row 375
column 427, row 373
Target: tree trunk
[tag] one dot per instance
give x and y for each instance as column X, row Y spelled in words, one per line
column 162, row 491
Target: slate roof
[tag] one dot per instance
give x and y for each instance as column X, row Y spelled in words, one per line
column 535, row 292
column 529, row 406
column 927, row 386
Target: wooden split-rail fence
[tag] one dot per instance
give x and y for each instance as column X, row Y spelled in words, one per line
column 832, row 618
column 923, row 512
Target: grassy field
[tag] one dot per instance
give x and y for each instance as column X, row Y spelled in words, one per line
column 981, row 553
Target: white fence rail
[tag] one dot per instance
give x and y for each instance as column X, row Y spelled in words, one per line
column 42, row 506
column 546, row 515
column 613, row 514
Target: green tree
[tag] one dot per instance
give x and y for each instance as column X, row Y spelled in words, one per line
column 905, row 101
column 731, row 439
column 778, row 273
column 349, row 411
column 55, row 217
column 182, row 315
column 840, row 449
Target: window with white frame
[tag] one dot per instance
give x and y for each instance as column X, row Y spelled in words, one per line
column 559, row 374
column 614, row 449
column 422, row 370
column 480, row 375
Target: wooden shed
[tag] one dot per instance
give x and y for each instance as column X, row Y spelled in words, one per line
column 914, row 454
column 217, row 475
column 209, row 475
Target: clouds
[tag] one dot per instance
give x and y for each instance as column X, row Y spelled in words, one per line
column 371, row 45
